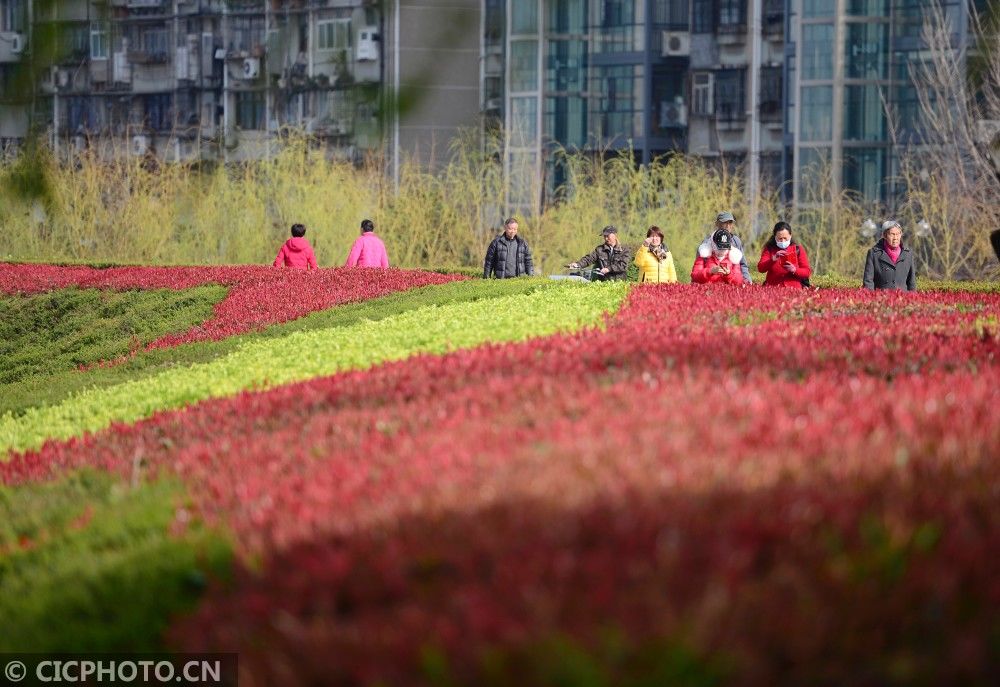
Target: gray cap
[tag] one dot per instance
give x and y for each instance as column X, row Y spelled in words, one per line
column 610, row 229
column 725, row 217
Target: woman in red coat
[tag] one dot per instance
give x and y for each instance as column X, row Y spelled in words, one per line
column 783, row 261
column 718, row 261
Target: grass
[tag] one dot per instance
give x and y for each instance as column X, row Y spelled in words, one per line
column 61, row 330
column 91, row 564
column 47, row 389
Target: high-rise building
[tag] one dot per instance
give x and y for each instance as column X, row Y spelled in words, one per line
column 655, row 76
column 850, row 66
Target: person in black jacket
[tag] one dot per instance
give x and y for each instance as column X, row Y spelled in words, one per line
column 508, row 254
column 610, row 258
column 889, row 264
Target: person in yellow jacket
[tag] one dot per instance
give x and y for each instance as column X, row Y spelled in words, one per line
column 655, row 263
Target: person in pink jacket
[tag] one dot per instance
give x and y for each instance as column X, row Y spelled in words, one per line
column 368, row 249
column 296, row 251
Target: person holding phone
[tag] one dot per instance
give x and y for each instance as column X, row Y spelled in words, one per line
column 718, row 262
column 783, row 260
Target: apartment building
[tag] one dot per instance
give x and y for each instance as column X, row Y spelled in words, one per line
column 223, row 78
column 851, row 64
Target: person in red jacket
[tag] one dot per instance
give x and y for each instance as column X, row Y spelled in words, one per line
column 718, row 261
column 296, row 251
column 783, row 260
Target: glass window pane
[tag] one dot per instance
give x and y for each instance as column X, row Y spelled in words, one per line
column 817, row 51
column 523, row 122
column 524, row 16
column 816, row 109
column 868, row 8
column 818, row 8
column 865, row 52
column 524, row 66
column 864, row 114
column 864, row 171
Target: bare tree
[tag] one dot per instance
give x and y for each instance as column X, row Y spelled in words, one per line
column 951, row 172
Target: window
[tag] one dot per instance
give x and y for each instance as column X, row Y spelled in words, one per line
column 818, row 8
column 247, row 33
column 618, row 13
column 157, row 111
column 770, row 93
column 732, row 15
column 816, row 120
column 864, row 115
column 567, row 66
column 98, row 42
column 523, row 122
column 524, row 17
column 868, row 8
column 524, row 65
column 77, row 39
column 702, row 93
column 619, row 105
column 864, row 171
column 673, row 14
column 817, row 51
column 730, row 90
column 12, row 16
column 566, row 120
column 333, row 34
column 250, row 110
column 153, row 42
column 703, row 16
column 865, row 51
column 567, row 16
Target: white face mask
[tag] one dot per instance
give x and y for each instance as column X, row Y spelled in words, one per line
column 784, row 244
column 721, row 255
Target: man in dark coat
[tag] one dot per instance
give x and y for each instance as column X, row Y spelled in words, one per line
column 508, row 255
column 889, row 264
column 610, row 258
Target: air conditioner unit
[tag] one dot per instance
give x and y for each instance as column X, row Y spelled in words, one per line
column 17, row 43
column 140, row 144
column 676, row 44
column 367, row 48
column 673, row 114
column 251, row 68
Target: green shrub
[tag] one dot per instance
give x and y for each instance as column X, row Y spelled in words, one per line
column 307, row 354
column 61, row 330
column 90, row 564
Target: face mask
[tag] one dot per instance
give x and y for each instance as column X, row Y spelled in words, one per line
column 784, row 244
column 721, row 254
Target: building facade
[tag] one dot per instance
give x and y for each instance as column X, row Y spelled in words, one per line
column 222, row 79
column 851, row 68
column 656, row 76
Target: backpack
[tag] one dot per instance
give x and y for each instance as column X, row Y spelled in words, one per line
column 798, row 256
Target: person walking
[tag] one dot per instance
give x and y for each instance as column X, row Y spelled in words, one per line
column 889, row 264
column 296, row 251
column 783, row 260
column 508, row 254
column 368, row 249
